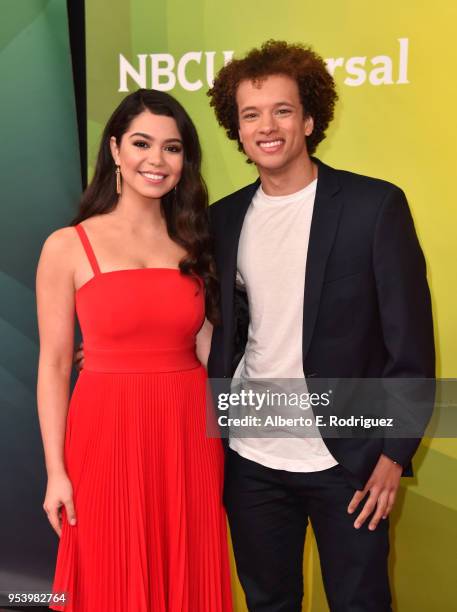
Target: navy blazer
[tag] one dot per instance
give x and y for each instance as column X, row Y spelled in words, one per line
column 367, row 308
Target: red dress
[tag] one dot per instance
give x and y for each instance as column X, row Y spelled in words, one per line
column 147, row 481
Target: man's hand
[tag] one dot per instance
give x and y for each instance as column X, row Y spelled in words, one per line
column 382, row 487
column 78, row 358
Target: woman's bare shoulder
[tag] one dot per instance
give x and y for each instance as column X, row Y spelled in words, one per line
column 60, row 255
column 61, row 242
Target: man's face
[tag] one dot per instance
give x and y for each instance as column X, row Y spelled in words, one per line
column 272, row 126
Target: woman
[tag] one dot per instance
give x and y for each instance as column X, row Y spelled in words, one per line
column 134, row 484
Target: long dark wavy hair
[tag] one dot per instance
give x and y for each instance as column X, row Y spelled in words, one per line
column 185, row 209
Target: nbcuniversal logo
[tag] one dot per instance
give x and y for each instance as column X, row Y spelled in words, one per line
column 162, row 71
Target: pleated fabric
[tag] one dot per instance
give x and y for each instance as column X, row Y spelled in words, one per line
column 147, row 481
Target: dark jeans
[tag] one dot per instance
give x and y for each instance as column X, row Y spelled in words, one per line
column 268, row 511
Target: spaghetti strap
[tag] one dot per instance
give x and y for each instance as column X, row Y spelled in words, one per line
column 88, row 248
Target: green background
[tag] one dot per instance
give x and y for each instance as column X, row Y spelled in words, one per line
column 40, row 184
column 405, row 133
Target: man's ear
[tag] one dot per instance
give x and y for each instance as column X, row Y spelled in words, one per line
column 309, row 125
column 239, row 136
column 114, row 150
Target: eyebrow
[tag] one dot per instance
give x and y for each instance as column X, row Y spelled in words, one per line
column 148, row 137
column 283, row 103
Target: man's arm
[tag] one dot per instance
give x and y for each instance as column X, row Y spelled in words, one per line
column 407, row 324
column 404, row 305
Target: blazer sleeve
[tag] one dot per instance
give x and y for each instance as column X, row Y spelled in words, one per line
column 405, row 311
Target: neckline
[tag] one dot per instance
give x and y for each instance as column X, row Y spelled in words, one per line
column 124, row 271
column 296, row 196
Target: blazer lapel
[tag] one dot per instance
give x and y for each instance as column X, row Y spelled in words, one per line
column 228, row 272
column 326, row 214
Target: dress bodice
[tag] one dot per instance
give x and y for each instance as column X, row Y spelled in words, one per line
column 134, row 319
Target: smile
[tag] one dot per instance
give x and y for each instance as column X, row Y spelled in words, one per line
column 153, row 177
column 271, row 145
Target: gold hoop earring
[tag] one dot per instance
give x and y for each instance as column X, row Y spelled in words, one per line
column 118, row 180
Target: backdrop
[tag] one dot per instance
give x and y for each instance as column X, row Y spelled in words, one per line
column 394, row 65
column 40, row 183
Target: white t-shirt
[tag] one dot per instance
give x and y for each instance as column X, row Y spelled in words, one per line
column 271, row 267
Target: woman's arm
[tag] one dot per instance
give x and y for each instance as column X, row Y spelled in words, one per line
column 55, row 306
column 204, row 342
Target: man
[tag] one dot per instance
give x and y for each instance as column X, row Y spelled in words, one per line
column 365, row 312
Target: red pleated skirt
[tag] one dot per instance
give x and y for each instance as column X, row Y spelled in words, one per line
column 147, row 486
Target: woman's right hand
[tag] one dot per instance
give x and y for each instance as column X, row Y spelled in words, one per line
column 59, row 492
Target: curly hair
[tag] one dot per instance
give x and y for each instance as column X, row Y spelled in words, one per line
column 315, row 85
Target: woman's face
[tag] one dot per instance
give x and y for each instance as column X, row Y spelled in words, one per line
column 150, row 155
